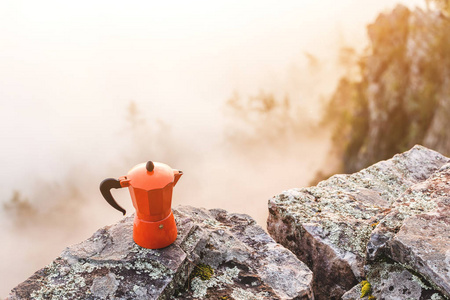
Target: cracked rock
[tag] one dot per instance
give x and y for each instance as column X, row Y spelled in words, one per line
column 335, row 225
column 246, row 261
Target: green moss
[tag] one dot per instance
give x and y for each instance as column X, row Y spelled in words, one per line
column 204, row 272
column 366, row 288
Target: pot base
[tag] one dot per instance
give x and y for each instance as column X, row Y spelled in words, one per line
column 155, row 235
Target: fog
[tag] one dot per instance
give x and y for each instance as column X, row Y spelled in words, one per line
column 88, row 89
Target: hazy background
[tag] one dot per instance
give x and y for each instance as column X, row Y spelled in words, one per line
column 89, row 89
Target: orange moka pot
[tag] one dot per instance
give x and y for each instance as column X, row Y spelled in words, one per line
column 150, row 185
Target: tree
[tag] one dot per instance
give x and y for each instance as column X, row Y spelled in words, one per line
column 442, row 5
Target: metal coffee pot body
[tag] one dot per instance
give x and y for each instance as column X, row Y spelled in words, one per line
column 151, row 186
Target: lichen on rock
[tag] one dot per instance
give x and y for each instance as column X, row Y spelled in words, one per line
column 109, row 265
column 391, row 280
column 331, row 228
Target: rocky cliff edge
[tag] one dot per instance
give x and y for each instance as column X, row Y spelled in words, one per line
column 380, row 233
column 217, row 255
column 386, row 227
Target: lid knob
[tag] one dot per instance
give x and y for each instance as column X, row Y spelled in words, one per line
column 150, row 166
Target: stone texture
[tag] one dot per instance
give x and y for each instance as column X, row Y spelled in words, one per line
column 329, row 226
column 393, row 281
column 247, row 264
column 422, row 242
column 427, row 197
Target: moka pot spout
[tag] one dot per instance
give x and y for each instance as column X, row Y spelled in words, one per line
column 177, row 174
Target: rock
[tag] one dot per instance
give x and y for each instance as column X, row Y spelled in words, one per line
column 246, row 264
column 416, row 232
column 104, row 287
column 429, row 196
column 329, row 226
column 393, row 281
column 402, row 96
column 423, row 240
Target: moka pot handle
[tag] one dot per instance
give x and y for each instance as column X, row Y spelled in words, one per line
column 105, row 188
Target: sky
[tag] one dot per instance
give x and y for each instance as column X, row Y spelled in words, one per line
column 69, row 70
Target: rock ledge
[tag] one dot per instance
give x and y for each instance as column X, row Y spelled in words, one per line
column 389, row 224
column 247, row 264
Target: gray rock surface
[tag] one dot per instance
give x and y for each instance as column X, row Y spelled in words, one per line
column 393, row 281
column 329, row 226
column 247, row 264
column 422, row 240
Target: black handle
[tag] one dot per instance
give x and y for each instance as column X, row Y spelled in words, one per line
column 105, row 189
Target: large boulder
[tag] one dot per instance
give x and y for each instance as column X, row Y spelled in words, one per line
column 416, row 232
column 336, row 226
column 216, row 255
